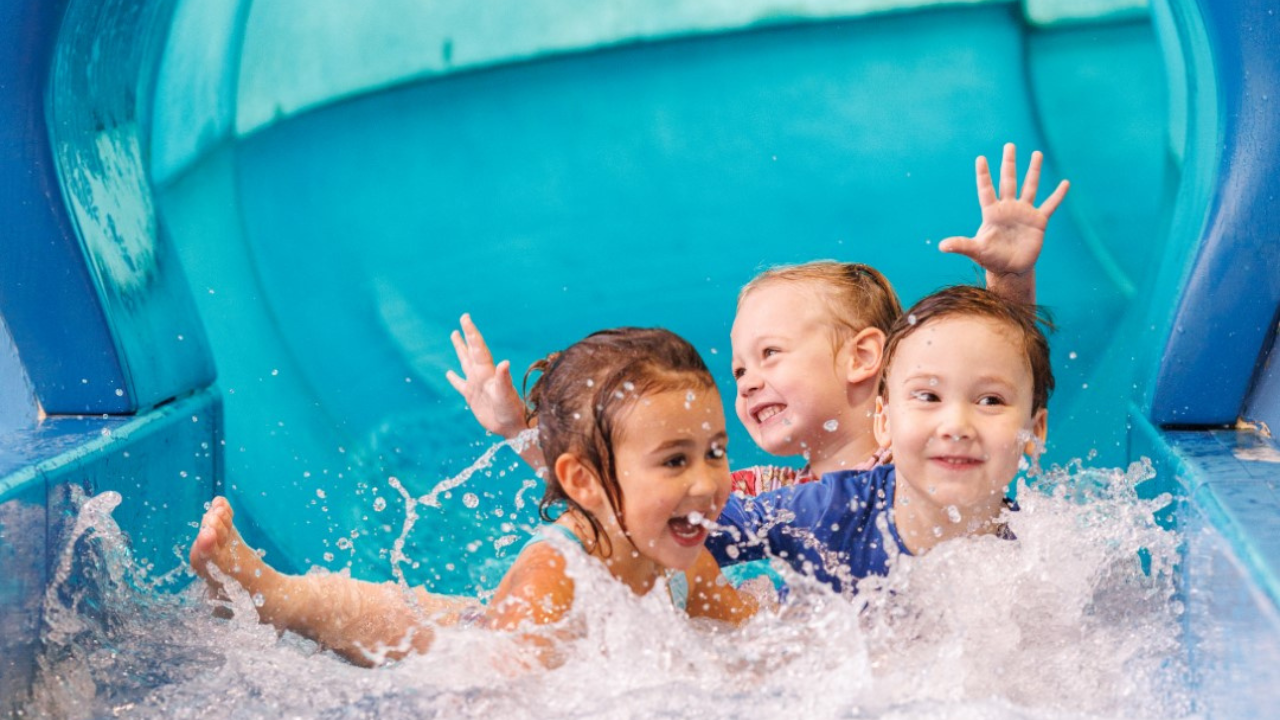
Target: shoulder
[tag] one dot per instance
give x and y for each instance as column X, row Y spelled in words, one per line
column 866, row 485
column 536, row 589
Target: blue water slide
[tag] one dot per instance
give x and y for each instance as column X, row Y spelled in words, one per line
column 237, row 234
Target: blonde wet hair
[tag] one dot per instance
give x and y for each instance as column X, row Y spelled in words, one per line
column 855, row 296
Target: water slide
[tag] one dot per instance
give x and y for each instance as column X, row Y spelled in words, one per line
column 236, row 239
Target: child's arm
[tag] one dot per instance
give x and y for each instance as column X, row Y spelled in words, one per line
column 711, row 595
column 1009, row 240
column 534, row 592
column 489, row 391
column 361, row 621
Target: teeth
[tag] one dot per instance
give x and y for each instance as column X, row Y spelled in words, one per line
column 767, row 413
column 696, row 518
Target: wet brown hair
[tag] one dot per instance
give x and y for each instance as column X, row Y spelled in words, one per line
column 583, row 391
column 856, row 296
column 1024, row 320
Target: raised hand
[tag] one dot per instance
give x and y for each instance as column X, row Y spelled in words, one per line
column 1009, row 241
column 486, row 387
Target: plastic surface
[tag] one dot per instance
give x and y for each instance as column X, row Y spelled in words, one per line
column 47, row 294
column 1226, row 315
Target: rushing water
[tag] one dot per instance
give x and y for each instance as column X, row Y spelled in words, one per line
column 1078, row 617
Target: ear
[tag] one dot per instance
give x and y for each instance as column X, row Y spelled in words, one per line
column 881, row 423
column 865, row 353
column 1039, row 428
column 579, row 482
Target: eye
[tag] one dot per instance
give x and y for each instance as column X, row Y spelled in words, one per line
column 716, row 452
column 769, row 352
column 924, row 396
column 991, row 400
column 676, row 461
column 738, row 372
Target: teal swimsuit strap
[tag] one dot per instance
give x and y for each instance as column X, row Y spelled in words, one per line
column 544, row 532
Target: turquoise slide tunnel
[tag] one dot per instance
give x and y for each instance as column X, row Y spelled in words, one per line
column 236, row 236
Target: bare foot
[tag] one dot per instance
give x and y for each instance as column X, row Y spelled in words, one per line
column 219, row 544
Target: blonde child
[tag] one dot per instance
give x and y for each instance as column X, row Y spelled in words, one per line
column 808, row 341
column 962, row 399
column 636, row 430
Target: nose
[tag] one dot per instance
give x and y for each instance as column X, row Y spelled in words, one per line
column 955, row 423
column 707, row 481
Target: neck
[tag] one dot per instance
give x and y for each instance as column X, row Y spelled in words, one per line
column 852, row 443
column 619, row 556
column 923, row 523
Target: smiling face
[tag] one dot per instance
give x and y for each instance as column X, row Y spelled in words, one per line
column 671, row 468
column 792, row 397
column 958, row 410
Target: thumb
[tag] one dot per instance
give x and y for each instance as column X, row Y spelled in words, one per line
column 502, row 373
column 960, row 245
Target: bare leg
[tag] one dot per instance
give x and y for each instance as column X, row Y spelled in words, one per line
column 361, row 621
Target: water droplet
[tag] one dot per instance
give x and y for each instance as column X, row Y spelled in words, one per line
column 258, row 600
column 380, row 504
column 119, row 392
column 470, row 500
column 953, row 513
column 1072, row 355
column 320, row 493
column 328, row 557
column 831, row 425
column 344, row 544
column 591, row 383
column 911, row 319
column 274, row 372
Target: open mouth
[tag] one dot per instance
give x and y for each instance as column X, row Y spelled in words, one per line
column 768, row 411
column 689, row 530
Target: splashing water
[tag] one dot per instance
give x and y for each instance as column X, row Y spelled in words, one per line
column 1077, row 617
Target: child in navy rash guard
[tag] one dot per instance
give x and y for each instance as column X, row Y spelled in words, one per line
column 962, row 399
column 836, row 530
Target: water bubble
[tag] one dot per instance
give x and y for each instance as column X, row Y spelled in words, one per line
column 911, row 319
column 379, row 504
column 274, row 372
column 328, row 557
column 591, row 383
column 953, row 513
column 119, row 392
column 259, row 600
column 628, row 386
column 831, row 425
column 1072, row 355
column 344, row 544
column 320, row 493
column 470, row 500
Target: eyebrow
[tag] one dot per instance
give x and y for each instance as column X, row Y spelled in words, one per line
column 720, row 437
column 984, row 379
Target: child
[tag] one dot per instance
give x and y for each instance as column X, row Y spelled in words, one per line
column 962, row 398
column 808, row 342
column 634, row 425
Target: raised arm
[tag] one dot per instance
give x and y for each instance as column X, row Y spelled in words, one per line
column 489, row 391
column 1009, row 241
